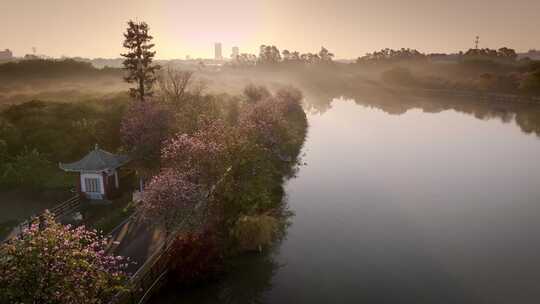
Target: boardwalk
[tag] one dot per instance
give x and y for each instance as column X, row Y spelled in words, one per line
column 137, row 240
column 145, row 246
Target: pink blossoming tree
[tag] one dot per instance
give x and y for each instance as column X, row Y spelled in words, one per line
column 145, row 125
column 239, row 162
column 57, row 264
column 174, row 201
column 178, row 197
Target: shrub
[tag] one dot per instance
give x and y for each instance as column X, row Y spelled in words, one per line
column 398, row 76
column 47, row 68
column 195, row 257
column 30, row 170
column 255, row 93
column 172, row 200
column 255, row 232
column 61, row 131
column 531, row 83
column 145, row 125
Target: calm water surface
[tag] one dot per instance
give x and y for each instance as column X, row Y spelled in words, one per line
column 420, row 207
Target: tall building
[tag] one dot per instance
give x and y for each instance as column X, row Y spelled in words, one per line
column 217, row 51
column 6, row 55
column 235, row 52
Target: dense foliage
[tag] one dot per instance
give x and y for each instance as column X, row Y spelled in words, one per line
column 195, row 257
column 405, row 54
column 56, row 264
column 144, row 127
column 254, row 232
column 217, row 181
column 29, row 169
column 36, row 135
column 225, row 175
column 470, row 75
column 48, row 68
column 390, row 55
column 478, row 69
column 503, row 53
column 269, row 55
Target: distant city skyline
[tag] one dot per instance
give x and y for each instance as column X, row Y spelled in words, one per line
column 348, row 28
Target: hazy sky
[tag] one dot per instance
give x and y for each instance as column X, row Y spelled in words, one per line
column 349, row 28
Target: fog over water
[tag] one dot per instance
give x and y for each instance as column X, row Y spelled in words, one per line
column 428, row 206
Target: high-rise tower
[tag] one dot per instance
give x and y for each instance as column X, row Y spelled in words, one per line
column 217, row 51
column 235, row 52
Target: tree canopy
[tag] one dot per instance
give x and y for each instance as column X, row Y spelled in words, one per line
column 57, row 264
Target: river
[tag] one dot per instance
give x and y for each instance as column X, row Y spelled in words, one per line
column 403, row 203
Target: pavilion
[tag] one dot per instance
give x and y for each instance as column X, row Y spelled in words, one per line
column 98, row 173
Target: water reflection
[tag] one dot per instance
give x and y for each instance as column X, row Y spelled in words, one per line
column 527, row 116
column 413, row 208
column 248, row 281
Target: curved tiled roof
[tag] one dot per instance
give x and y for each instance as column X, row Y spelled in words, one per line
column 96, row 160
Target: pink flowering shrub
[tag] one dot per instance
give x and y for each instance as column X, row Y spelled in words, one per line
column 277, row 124
column 173, row 200
column 177, row 198
column 145, row 125
column 59, row 264
column 204, row 153
column 269, row 135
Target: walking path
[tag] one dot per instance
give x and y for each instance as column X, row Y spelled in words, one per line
column 137, row 240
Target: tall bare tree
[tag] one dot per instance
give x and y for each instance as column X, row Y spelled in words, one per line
column 174, row 83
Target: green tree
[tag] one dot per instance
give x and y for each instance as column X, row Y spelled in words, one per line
column 30, row 169
column 138, row 59
column 269, row 54
column 531, row 83
column 325, row 55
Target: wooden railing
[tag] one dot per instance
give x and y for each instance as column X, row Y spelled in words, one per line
column 147, row 279
column 64, row 208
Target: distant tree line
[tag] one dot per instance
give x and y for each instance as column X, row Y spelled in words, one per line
column 270, row 55
column 477, row 75
column 388, row 55
column 50, row 68
column 503, row 53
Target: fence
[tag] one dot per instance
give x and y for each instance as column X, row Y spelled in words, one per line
column 147, row 279
column 153, row 272
column 64, row 208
